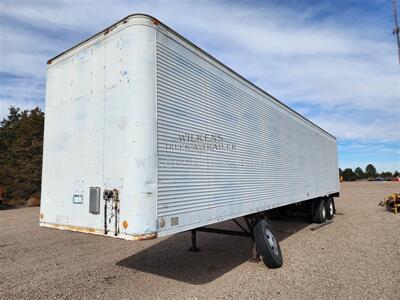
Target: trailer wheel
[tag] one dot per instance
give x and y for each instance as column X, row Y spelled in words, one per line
column 320, row 210
column 267, row 245
column 330, row 208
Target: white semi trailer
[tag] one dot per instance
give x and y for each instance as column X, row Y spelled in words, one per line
column 147, row 135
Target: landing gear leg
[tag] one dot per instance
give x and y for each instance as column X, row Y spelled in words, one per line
column 194, row 248
column 255, row 255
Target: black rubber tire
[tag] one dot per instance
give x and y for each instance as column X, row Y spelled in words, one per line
column 320, row 211
column 330, row 208
column 271, row 256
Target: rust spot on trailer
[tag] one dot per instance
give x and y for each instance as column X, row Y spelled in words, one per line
column 155, row 21
column 81, row 229
column 72, row 228
column 41, row 216
column 143, row 237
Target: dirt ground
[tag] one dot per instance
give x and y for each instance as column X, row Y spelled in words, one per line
column 357, row 256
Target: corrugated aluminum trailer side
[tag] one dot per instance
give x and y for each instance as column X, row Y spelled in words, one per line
column 147, row 135
column 225, row 147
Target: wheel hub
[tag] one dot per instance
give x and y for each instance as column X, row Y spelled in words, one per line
column 272, row 241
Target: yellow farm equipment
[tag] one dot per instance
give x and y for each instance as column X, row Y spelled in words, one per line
column 392, row 202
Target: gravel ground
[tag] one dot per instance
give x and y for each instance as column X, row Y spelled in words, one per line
column 357, row 257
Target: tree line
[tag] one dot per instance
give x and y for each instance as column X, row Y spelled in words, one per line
column 21, row 147
column 369, row 173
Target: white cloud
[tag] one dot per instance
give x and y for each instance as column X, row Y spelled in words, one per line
column 338, row 71
column 23, row 92
column 348, row 129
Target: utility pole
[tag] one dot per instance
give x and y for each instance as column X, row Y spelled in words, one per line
column 396, row 29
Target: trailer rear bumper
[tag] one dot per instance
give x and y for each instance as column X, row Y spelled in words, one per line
column 139, row 237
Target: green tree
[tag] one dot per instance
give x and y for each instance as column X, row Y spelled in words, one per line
column 349, row 175
column 396, row 174
column 359, row 172
column 340, row 172
column 21, row 147
column 370, row 171
column 386, row 174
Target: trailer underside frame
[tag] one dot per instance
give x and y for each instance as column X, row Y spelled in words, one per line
column 250, row 221
column 264, row 243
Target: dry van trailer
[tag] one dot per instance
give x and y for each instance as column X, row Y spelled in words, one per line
column 147, row 135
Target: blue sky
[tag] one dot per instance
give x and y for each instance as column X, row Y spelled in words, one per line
column 333, row 61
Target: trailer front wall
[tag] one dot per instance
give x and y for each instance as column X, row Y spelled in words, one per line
column 225, row 149
column 99, row 133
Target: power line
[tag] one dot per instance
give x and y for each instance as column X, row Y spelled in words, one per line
column 396, row 29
